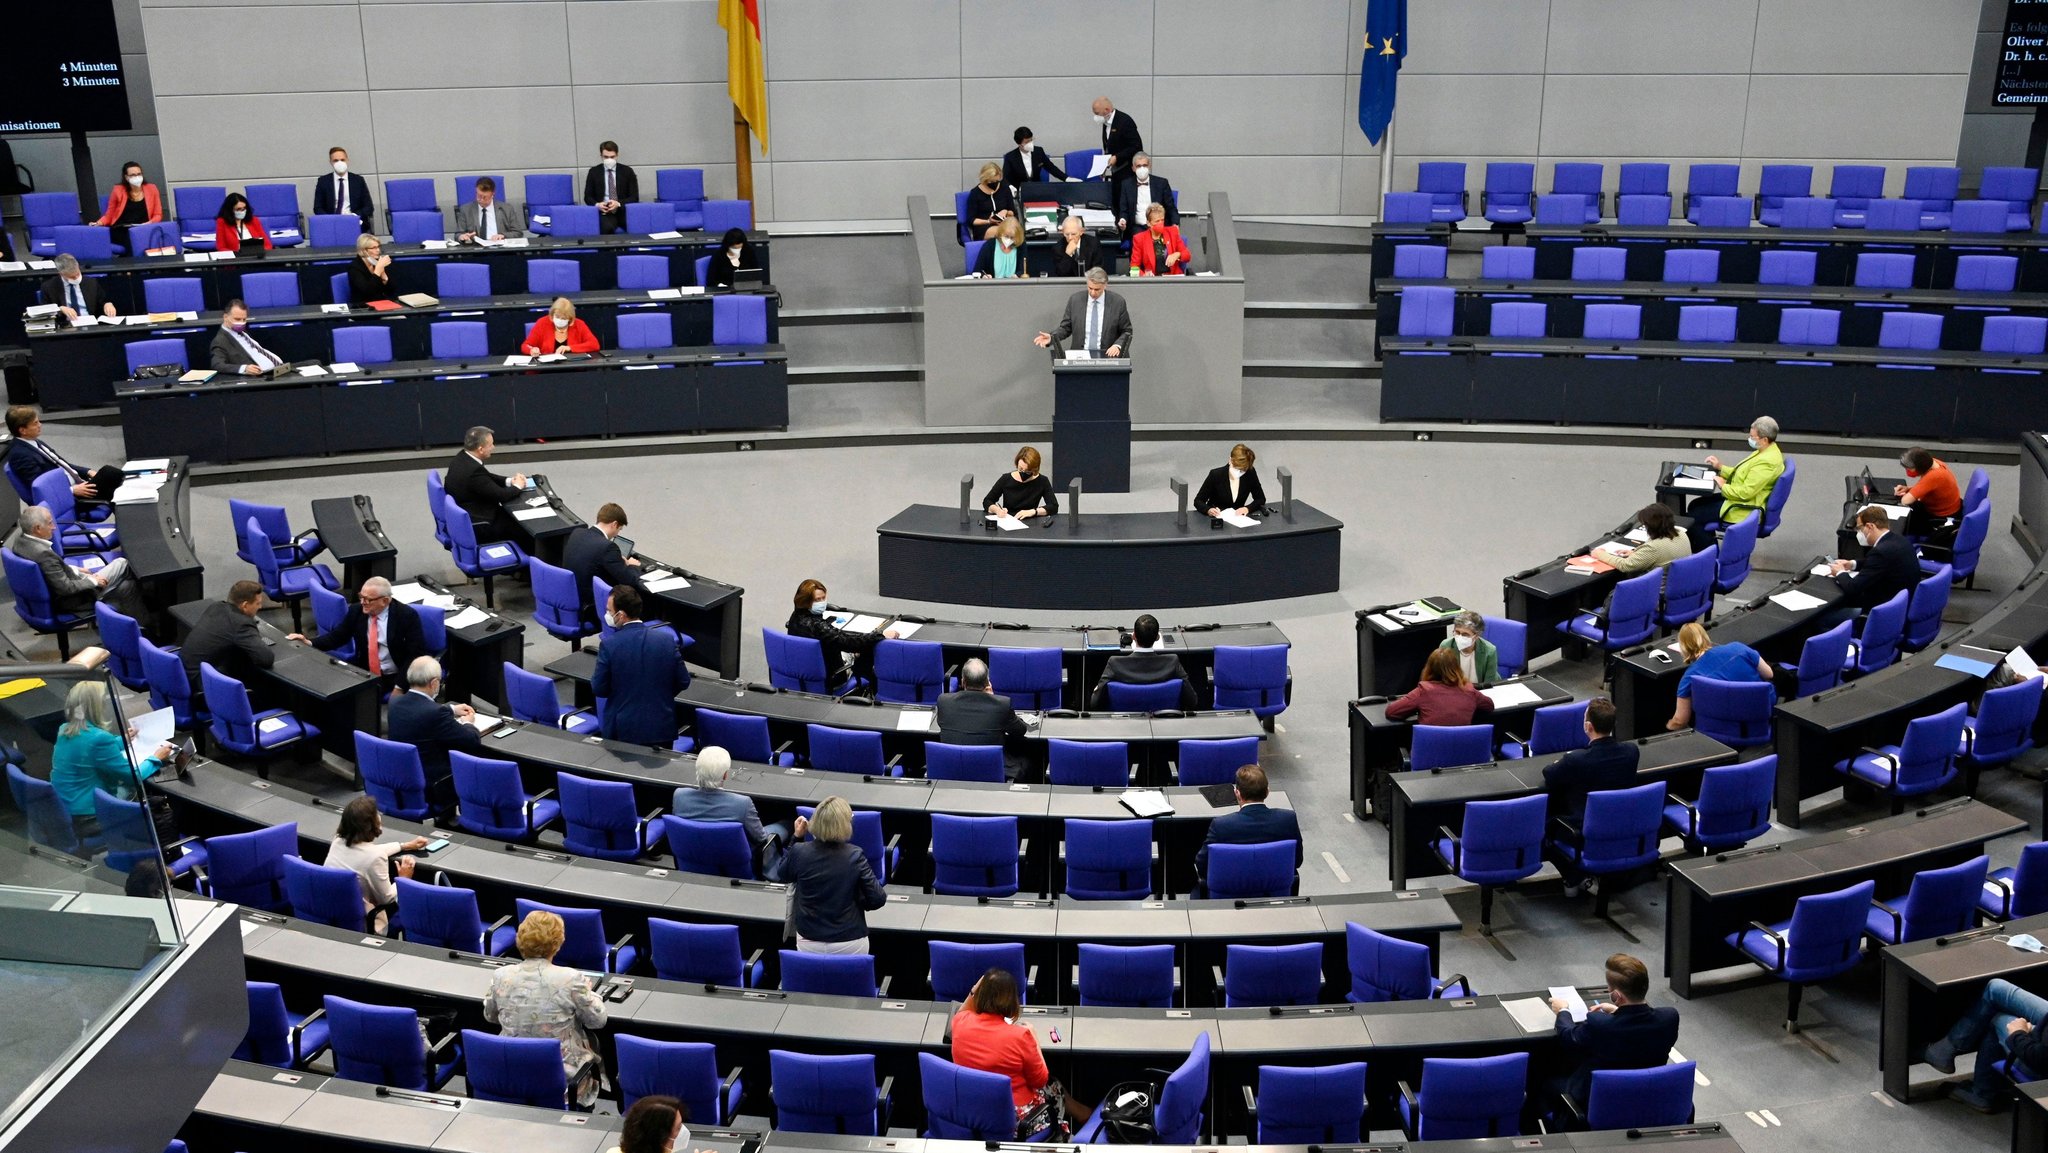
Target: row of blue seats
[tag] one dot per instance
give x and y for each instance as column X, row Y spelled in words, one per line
column 678, row 204
column 1789, row 267
column 1429, row 313
column 1712, row 198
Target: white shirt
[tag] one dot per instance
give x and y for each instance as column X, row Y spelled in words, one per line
column 341, row 194
column 262, row 356
column 487, row 220
column 1144, row 200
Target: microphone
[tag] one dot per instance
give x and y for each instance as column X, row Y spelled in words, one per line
column 966, row 499
column 1179, row 485
column 1074, row 505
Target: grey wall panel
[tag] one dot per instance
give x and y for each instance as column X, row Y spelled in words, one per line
column 1270, row 185
column 1991, row 139
column 864, row 119
column 466, row 45
column 655, row 125
column 1624, row 117
column 281, row 137
column 128, row 25
column 1056, row 108
column 1360, row 192
column 640, row 42
column 1248, row 115
column 141, row 85
column 186, row 44
column 1474, row 36
column 859, row 190
column 993, row 45
column 456, row 130
column 1859, row 117
column 869, row 40
column 1873, row 36
column 1214, row 38
column 1606, row 37
column 1497, row 116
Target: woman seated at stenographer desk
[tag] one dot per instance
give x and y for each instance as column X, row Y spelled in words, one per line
column 1024, row 493
column 1003, row 257
column 1232, row 487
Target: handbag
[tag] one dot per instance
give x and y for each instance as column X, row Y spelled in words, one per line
column 1126, row 1113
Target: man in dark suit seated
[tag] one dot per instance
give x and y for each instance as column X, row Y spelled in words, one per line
column 75, row 293
column 482, row 493
column 1623, row 1032
column 233, row 352
column 1145, row 664
column 1603, row 764
column 418, row 719
column 640, row 670
column 343, row 192
column 72, row 589
column 226, row 637
column 708, row 800
column 978, row 715
column 591, row 551
column 610, row 186
column 1889, row 566
column 30, row 456
column 1252, row 824
column 377, row 622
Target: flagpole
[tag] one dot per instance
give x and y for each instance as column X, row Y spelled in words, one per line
column 743, row 161
column 1386, row 168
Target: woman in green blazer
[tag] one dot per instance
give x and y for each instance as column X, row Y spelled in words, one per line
column 1476, row 655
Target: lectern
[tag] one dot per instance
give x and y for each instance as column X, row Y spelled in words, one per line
column 1091, row 423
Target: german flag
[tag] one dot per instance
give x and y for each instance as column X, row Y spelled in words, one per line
column 744, row 76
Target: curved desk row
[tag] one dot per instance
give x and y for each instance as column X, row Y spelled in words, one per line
column 412, row 269
column 77, row 367
column 1835, row 250
column 432, row 403
column 221, row 800
column 1103, row 561
column 1547, row 595
column 1814, row 389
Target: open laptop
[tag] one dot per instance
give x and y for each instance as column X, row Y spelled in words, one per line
column 1690, row 472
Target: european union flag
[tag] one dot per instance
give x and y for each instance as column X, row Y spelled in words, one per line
column 1386, row 43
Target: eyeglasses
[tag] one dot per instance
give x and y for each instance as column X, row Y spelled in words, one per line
column 371, row 600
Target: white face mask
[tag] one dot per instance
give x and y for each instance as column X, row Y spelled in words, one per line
column 241, row 214
column 611, row 162
column 135, row 181
column 1464, row 643
column 1236, row 473
column 1142, row 171
column 341, row 168
column 560, row 323
column 1025, row 148
column 1101, row 119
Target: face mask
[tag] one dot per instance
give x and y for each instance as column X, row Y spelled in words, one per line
column 818, row 607
column 1008, row 244
column 1752, row 442
column 560, row 323
column 1236, row 472
column 611, row 163
column 2026, row 941
column 241, row 214
column 234, row 327
column 341, row 168
column 135, row 182
column 79, row 279
column 1912, row 474
column 1464, row 643
column 733, row 252
column 1025, row 148
column 1142, row 172
column 1102, row 120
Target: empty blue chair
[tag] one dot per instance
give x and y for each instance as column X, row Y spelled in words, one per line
column 1447, row 746
column 1884, row 626
column 1853, row 187
column 1213, row 762
column 1428, row 311
column 740, row 319
column 392, row 776
column 239, row 728
column 531, row 697
column 1709, row 180
column 49, row 822
column 1810, row 326
column 270, row 289
column 1108, row 860
column 2015, row 892
column 1924, row 609
column 558, row 604
column 2002, row 729
column 130, row 835
column 682, row 189
column 276, row 1037
column 1177, row 1115
column 338, row 230
column 492, row 801
column 797, row 663
column 1618, row 835
column 170, row 688
column 849, row 751
column 1501, row 843
column 277, row 206
column 2016, row 189
column 1599, row 262
column 641, row 271
column 1692, row 266
column 1104, row 764
column 1320, row 1105
column 1967, row 548
column 282, row 581
column 1257, row 975
column 599, row 820
column 714, row 848
column 1689, row 588
column 1443, row 181
column 34, row 604
column 446, row 917
column 515, row 1070
column 1924, row 759
column 461, row 280
column 1736, row 713
column 1976, row 490
column 324, row 895
column 1732, row 555
column 455, row 339
column 975, row 856
column 1781, row 492
column 972, row 254
column 248, row 868
column 685, row 1070
column 1986, row 273
column 1033, row 679
column 1406, row 208
column 174, row 294
column 337, row 288
column 1724, row 212
column 553, row 277
column 481, row 561
column 583, row 938
column 1820, row 662
column 1251, row 872
column 286, row 547
column 1707, row 323
column 1511, row 645
column 648, row 217
column 701, row 954
column 1778, row 183
column 1509, row 196
column 546, row 191
column 944, row 762
column 1631, row 616
column 1913, row 330
column 2018, row 335
column 1420, row 261
column 1251, row 677
column 437, row 507
column 1935, row 188
column 910, row 672
column 1580, row 179
column 1133, row 976
column 121, row 636
column 827, row 1094
column 1645, row 178
column 745, row 737
column 1553, row 729
column 646, row 330
column 1518, row 318
column 1883, row 270
column 1979, row 216
column 416, row 227
column 1938, row 901
column 1646, row 210
column 1613, row 322
column 365, row 344
column 1468, row 1097
column 1500, row 262
column 143, row 354
column 42, row 213
column 576, row 221
column 1387, row 968
column 89, row 244
column 413, row 194
column 956, row 966
column 1786, row 266
column 1624, row 1099
column 382, row 1045
column 1812, row 212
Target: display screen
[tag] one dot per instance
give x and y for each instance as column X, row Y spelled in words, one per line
column 66, row 76
column 2022, row 76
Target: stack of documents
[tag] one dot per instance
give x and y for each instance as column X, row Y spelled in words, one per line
column 467, row 617
column 661, row 581
column 1509, row 695
column 1093, row 217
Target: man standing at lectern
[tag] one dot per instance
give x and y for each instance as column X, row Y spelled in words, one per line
column 1096, row 321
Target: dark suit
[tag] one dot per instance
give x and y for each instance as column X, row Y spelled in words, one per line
column 1215, row 490
column 836, row 644
column 1603, row 765
column 428, row 725
column 228, row 357
column 1884, row 572
column 29, row 459
column 88, row 287
column 482, row 494
column 589, row 553
column 1121, row 143
column 626, row 187
column 327, row 201
column 1147, row 668
column 640, row 670
column 227, row 640
column 72, row 589
column 1116, row 323
column 1252, row 824
column 696, row 803
column 1087, row 256
column 977, row 718
column 1127, row 202
column 1016, row 172
column 1631, row 1037
column 402, row 636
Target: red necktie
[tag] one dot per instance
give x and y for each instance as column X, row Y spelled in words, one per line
column 374, row 662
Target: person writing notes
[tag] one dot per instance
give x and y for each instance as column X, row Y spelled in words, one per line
column 486, row 217
column 1027, row 163
column 369, row 274
column 236, row 224
column 1024, row 493
column 1158, row 250
column 1003, row 257
column 559, row 331
column 989, row 203
column 807, row 619
column 1096, row 320
column 1933, row 496
column 1232, row 487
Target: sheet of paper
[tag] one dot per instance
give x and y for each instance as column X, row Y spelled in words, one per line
column 443, row 601
column 1688, row 484
column 84, row 320
column 1821, row 569
column 410, row 592
column 664, row 294
column 671, row 234
column 510, row 242
column 13, row 265
column 312, row 370
column 518, row 361
column 691, row 290
column 467, row 617
column 2022, row 663
column 484, row 722
column 341, row 367
column 863, row 624
column 1618, row 548
column 915, row 721
column 433, row 245
column 39, row 310
column 1233, row 518
column 195, row 258
column 1792, row 600
column 1009, row 523
column 334, row 308
column 1573, row 1003
column 42, row 265
column 147, row 464
column 533, row 513
column 1637, row 535
column 543, row 221
column 667, row 584
column 1509, row 695
column 1079, row 354
column 151, row 730
column 1894, row 511
column 221, row 255
column 1099, row 165
column 905, row 629
column 1384, row 621
column 132, row 493
column 272, row 725
column 1531, row 1013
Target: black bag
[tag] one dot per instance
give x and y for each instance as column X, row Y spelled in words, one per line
column 166, row 825
column 1129, row 1122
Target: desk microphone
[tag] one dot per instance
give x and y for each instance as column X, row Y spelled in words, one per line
column 1971, row 935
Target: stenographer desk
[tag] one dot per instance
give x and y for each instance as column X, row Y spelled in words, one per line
column 1644, row 679
column 1930, row 984
column 411, row 270
column 1392, row 648
column 1141, row 560
column 217, row 799
column 1711, row 897
column 1835, row 250
column 157, row 541
column 1550, row 594
column 339, row 698
column 1938, row 394
column 1378, row 740
column 1423, row 802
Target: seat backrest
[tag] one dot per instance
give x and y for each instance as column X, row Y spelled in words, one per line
column 572, row 221
column 174, row 294
column 741, row 318
column 1943, row 900
column 1501, row 262
column 338, row 230
column 716, row 848
column 794, row 662
column 1978, row 216
column 1781, row 492
column 641, row 270
column 1386, row 968
column 1417, row 261
column 1724, row 212
column 1103, row 763
column 686, row 1070
column 1558, row 729
column 2005, row 717
column 323, row 895
column 416, row 227
column 1518, row 318
column 1471, row 1097
column 745, row 737
column 1702, row 180
column 1787, row 266
column 441, row 916
column 411, row 194
column 43, row 211
column 1565, row 208
column 1884, row 270
column 823, row 1094
column 1583, row 179
column 1510, row 180
column 965, row 1104
column 2017, row 186
column 683, row 186
column 599, row 817
column 650, row 216
column 1311, row 1105
column 1916, row 330
column 2030, row 881
column 1979, row 273
column 1109, row 860
column 583, row 936
column 1213, row 762
column 1815, row 326
column 196, row 205
column 974, row 856
column 89, row 244
column 1976, row 490
column 1779, row 181
column 1632, row 609
column 1446, row 746
column 1826, row 928
column 1689, row 586
column 1927, row 753
column 553, row 277
column 1820, row 660
column 268, row 1039
column 844, row 750
column 1812, row 212
column 1735, row 801
column 1738, row 544
column 1243, row 872
column 2017, row 335
column 909, row 672
column 1427, row 311
column 1692, row 266
column 956, row 966
column 1643, row 209
column 380, row 1044
column 363, row 344
column 1503, row 835
column 1735, row 713
column 1621, row 826
column 1645, row 178
column 248, row 868
column 454, row 339
column 1613, row 322
column 548, row 189
column 1272, row 974
column 49, row 822
column 164, row 350
column 1706, row 323
column 1862, row 182
column 1441, row 179
column 1643, row 1098
column 392, row 774
column 270, row 289
column 944, row 762
column 1599, row 262
column 1134, row 976
column 1405, row 208
column 1924, row 609
column 461, row 280
column 698, row 954
column 1933, row 186
column 515, row 1070
column 1031, row 678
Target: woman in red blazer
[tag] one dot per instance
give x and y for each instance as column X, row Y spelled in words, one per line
column 1158, row 250
column 559, row 331
column 237, row 223
column 133, row 201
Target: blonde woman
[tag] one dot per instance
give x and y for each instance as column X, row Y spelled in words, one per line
column 1733, row 661
column 369, row 274
column 92, row 754
column 1232, row 487
column 831, row 885
column 559, row 331
column 989, row 203
column 1003, row 257
column 538, row 998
